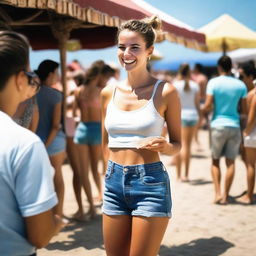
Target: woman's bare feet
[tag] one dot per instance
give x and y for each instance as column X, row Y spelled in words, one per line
column 244, row 199
column 217, row 199
column 185, row 179
column 91, row 214
column 79, row 216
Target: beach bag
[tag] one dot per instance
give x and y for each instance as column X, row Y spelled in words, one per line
column 250, row 140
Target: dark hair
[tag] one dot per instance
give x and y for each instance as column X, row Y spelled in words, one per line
column 199, row 67
column 145, row 27
column 225, row 63
column 107, row 70
column 248, row 68
column 45, row 68
column 14, row 55
column 184, row 71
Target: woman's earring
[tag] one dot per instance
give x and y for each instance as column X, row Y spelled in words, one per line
column 149, row 57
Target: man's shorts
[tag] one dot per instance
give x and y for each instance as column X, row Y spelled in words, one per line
column 225, row 141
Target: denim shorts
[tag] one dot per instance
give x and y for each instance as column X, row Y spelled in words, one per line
column 225, row 141
column 88, row 133
column 186, row 122
column 58, row 144
column 137, row 190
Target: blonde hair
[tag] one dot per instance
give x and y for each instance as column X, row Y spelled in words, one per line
column 146, row 27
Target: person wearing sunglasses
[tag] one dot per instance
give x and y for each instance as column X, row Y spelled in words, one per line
column 33, row 80
column 27, row 192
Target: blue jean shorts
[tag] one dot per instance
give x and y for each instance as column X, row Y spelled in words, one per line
column 225, row 141
column 58, row 144
column 137, row 190
column 186, row 122
column 88, row 133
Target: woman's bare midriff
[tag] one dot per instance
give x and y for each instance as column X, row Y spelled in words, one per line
column 132, row 156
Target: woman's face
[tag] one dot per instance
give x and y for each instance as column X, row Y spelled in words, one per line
column 54, row 77
column 132, row 51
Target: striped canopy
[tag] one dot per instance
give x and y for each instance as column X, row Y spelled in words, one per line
column 95, row 21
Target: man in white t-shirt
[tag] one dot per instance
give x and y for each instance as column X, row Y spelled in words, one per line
column 26, row 176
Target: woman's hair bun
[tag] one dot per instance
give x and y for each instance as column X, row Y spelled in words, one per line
column 153, row 21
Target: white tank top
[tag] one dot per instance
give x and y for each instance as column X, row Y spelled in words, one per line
column 126, row 128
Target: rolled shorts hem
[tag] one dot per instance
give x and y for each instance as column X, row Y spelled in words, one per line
column 109, row 212
column 137, row 213
column 151, row 214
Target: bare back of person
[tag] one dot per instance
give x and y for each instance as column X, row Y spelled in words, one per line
column 89, row 103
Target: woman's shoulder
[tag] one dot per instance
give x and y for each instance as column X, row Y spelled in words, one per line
column 168, row 88
column 108, row 90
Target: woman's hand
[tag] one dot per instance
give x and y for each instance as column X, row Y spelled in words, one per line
column 157, row 144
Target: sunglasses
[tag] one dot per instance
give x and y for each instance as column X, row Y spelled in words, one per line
column 32, row 76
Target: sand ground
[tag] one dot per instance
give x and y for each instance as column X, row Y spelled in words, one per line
column 198, row 227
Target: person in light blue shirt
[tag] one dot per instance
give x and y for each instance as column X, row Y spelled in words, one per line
column 227, row 95
column 27, row 193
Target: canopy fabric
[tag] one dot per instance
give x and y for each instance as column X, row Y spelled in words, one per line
column 110, row 13
column 226, row 33
column 243, row 55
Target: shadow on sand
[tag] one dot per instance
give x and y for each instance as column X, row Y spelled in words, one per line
column 199, row 156
column 199, row 182
column 200, row 247
column 84, row 234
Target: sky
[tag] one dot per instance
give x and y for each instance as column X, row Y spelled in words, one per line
column 195, row 13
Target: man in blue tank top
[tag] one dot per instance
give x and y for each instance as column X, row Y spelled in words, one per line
column 227, row 95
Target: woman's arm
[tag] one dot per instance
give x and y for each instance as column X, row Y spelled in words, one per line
column 56, row 120
column 197, row 104
column 173, row 120
column 172, row 114
column 251, row 121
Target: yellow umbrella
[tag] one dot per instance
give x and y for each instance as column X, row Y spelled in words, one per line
column 156, row 55
column 227, row 34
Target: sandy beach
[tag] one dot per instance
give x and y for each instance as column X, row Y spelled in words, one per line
column 198, row 227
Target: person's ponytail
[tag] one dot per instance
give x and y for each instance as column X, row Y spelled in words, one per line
column 187, row 86
column 184, row 72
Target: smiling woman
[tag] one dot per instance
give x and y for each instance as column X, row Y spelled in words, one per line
column 137, row 199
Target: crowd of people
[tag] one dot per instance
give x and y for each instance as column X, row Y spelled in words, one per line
column 126, row 125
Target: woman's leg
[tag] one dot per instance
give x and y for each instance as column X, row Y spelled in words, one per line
column 147, row 234
column 95, row 153
column 187, row 135
column 250, row 163
column 83, row 154
column 57, row 161
column 177, row 160
column 117, row 234
column 73, row 158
